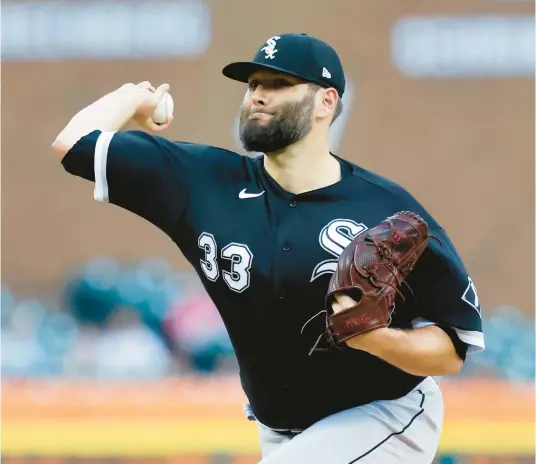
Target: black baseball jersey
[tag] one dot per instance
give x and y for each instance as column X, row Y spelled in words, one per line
column 265, row 257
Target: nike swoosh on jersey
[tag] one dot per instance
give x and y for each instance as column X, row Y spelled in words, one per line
column 243, row 194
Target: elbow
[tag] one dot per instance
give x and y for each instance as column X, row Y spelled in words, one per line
column 60, row 148
column 453, row 366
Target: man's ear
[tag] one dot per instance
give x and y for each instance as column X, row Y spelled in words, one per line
column 330, row 98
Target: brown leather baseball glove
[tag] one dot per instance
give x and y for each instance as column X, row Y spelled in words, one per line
column 371, row 270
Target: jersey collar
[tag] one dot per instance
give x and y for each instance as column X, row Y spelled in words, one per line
column 333, row 191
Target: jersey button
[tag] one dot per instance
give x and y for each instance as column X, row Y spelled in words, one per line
column 293, row 203
column 286, row 246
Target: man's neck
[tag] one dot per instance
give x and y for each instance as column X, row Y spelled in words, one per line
column 303, row 167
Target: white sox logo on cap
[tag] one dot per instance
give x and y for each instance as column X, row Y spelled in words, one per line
column 270, row 49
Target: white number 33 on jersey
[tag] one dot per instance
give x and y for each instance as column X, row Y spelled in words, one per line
column 239, row 256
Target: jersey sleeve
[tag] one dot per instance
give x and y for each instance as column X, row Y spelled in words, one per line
column 142, row 173
column 444, row 293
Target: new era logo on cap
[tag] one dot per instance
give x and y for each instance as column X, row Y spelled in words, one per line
column 326, row 73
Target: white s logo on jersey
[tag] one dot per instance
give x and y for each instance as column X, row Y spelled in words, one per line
column 334, row 238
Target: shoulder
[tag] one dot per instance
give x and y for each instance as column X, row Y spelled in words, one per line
column 183, row 153
column 198, row 149
column 213, row 153
column 376, row 181
column 226, row 165
column 392, row 192
column 212, row 164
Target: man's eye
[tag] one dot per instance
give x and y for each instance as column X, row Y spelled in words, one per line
column 281, row 83
column 253, row 85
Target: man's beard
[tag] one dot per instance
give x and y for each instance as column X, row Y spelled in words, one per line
column 288, row 125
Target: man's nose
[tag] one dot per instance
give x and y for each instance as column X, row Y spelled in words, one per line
column 259, row 96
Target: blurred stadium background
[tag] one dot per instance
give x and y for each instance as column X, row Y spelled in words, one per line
column 111, row 351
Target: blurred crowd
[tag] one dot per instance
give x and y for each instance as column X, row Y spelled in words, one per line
column 148, row 321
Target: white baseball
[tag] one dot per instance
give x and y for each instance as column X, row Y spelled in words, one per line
column 164, row 109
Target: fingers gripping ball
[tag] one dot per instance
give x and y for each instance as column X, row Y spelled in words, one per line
column 164, row 110
column 371, row 270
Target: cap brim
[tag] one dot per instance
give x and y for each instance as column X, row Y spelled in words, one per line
column 241, row 70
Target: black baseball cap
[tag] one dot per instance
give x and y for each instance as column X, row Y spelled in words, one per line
column 299, row 55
